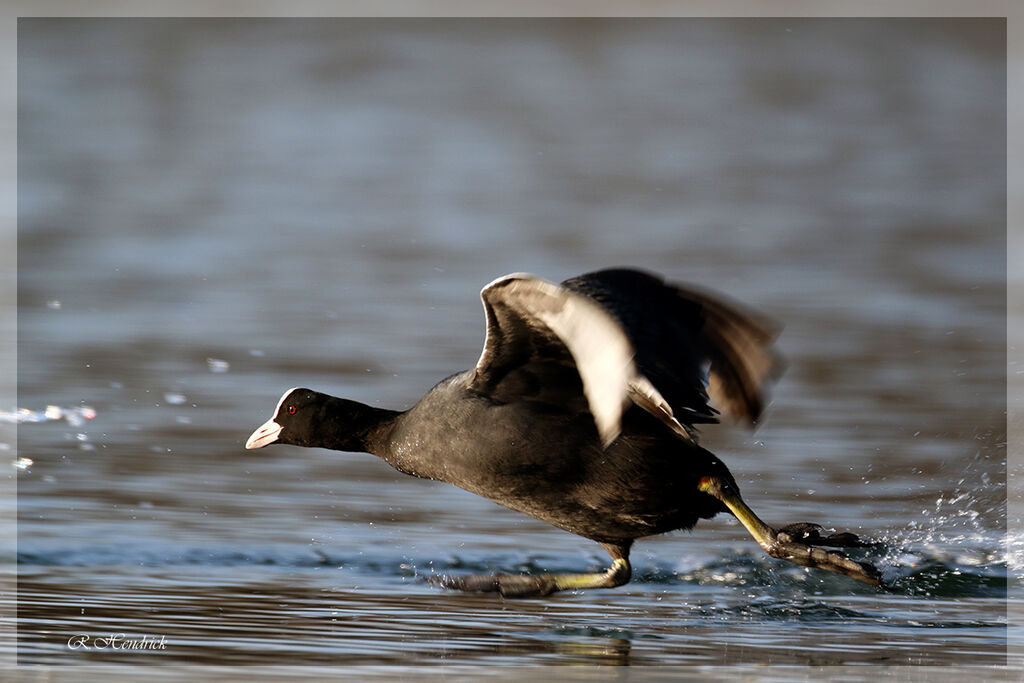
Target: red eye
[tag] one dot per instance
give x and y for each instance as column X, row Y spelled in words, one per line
column 291, row 410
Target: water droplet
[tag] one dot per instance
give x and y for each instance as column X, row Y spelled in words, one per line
column 217, row 365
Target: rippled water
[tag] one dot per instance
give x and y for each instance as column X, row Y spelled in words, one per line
column 212, row 212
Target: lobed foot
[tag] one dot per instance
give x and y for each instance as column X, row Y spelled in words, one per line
column 808, row 554
column 796, row 542
column 810, row 533
column 508, row 585
column 539, row 585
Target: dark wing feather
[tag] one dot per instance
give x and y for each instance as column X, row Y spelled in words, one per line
column 695, row 348
column 522, row 359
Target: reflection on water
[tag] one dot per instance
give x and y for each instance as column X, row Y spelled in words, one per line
column 262, row 618
column 214, row 211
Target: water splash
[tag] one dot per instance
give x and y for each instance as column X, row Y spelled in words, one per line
column 952, row 549
column 76, row 416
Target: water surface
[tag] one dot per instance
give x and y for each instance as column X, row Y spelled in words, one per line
column 212, row 212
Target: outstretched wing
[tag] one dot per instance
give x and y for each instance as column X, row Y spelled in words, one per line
column 704, row 354
column 549, row 343
column 604, row 340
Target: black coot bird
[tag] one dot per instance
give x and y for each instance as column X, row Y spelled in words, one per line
column 581, row 412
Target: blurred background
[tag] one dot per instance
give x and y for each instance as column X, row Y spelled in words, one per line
column 214, row 211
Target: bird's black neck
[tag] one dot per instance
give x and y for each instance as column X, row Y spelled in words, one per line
column 355, row 427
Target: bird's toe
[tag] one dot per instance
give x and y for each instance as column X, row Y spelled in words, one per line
column 508, row 585
column 811, row 534
column 819, row 558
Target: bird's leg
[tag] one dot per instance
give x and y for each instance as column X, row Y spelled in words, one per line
column 781, row 543
column 523, row 586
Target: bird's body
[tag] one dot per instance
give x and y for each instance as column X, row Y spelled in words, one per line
column 580, row 413
column 643, row 483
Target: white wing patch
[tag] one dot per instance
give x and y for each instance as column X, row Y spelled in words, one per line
column 600, row 348
column 603, row 355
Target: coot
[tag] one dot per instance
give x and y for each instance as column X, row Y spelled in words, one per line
column 581, row 412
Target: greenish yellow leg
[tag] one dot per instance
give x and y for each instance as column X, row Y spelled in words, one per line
column 762, row 533
column 780, row 544
column 616, row 575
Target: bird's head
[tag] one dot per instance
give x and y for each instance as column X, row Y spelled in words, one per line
column 294, row 420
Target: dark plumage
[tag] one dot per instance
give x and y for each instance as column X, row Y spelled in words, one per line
column 580, row 412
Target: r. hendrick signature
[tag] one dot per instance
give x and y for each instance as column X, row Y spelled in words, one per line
column 117, row 641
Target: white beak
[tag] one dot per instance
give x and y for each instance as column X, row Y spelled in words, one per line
column 266, row 434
